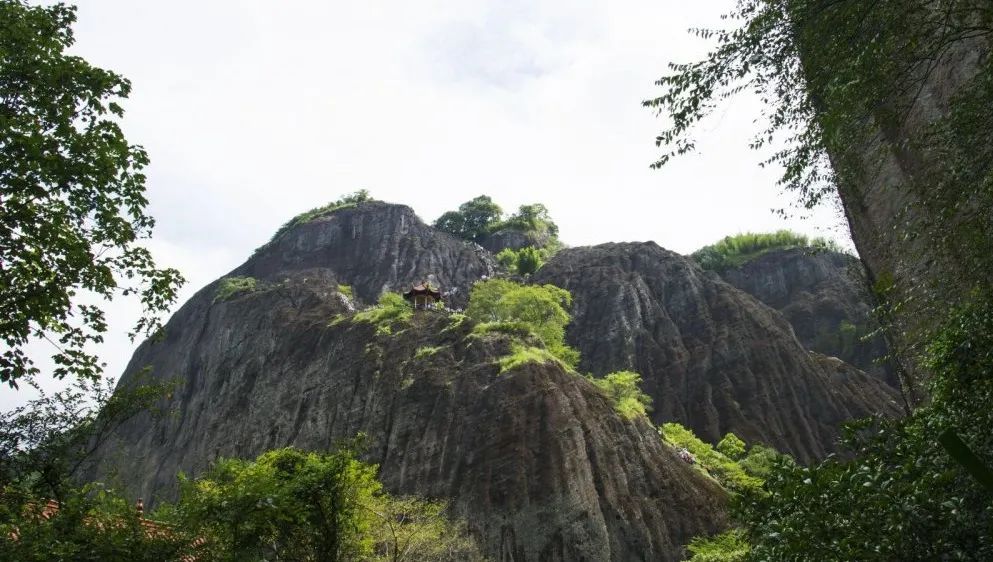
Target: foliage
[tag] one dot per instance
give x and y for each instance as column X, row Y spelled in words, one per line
column 42, row 447
column 44, row 443
column 624, row 391
column 90, row 523
column 823, row 70
column 524, row 354
column 73, row 198
column 415, row 529
column 525, row 261
column 541, row 308
column 286, row 504
column 293, row 505
column 346, row 290
column 391, row 310
column 725, row 470
column 346, row 201
column 901, row 497
column 729, row 546
column 531, row 218
column 426, row 351
column 732, row 447
column 473, row 220
column 231, row 286
column 735, row 251
column 481, row 216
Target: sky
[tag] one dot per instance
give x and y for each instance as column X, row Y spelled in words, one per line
column 254, row 111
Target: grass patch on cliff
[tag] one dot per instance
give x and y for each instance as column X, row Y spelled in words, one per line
column 622, row 387
column 524, row 354
column 427, row 351
column 734, row 474
column 737, row 250
column 230, row 287
column 390, row 311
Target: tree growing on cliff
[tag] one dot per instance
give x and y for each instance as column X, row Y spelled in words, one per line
column 473, row 220
column 72, row 198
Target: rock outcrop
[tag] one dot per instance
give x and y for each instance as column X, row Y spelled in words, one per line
column 374, row 247
column 826, row 298
column 515, row 239
column 712, row 357
column 536, row 459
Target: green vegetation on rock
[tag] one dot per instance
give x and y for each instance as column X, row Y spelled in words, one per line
column 345, row 202
column 525, row 261
column 229, row 287
column 524, row 354
column 737, row 250
column 390, row 311
column 346, row 290
column 541, row 310
column 479, row 217
column 623, row 389
column 729, row 472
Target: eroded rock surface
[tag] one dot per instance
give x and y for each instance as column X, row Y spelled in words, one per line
column 375, row 247
column 712, row 357
column 536, row 459
column 826, row 298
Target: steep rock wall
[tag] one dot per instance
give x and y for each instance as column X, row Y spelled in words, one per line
column 711, row 356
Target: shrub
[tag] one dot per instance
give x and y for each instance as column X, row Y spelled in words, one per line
column 391, row 310
column 623, row 389
column 729, row 546
column 735, row 251
column 229, row 287
column 523, row 354
column 540, row 308
column 724, row 469
column 731, row 446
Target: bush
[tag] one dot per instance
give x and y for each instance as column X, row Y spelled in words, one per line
column 731, row 447
column 725, row 470
column 735, row 251
column 623, row 389
column 541, row 309
column 391, row 310
column 902, row 496
column 229, row 287
column 729, row 546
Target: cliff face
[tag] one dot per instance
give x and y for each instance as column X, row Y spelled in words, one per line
column 375, row 247
column 711, row 356
column 826, row 299
column 536, row 459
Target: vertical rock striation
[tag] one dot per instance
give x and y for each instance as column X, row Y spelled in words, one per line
column 711, row 356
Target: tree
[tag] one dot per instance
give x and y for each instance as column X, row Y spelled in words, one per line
column 732, row 447
column 473, row 220
column 286, row 504
column 72, row 198
column 532, row 218
column 541, row 309
column 624, row 390
column 529, row 259
column 412, row 528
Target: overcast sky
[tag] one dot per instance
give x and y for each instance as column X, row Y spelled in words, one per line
column 253, row 111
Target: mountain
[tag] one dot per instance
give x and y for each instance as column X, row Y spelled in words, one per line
column 826, row 298
column 712, row 357
column 535, row 458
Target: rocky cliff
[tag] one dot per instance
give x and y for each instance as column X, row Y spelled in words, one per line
column 712, row 357
column 374, row 247
column 535, row 458
column 825, row 297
